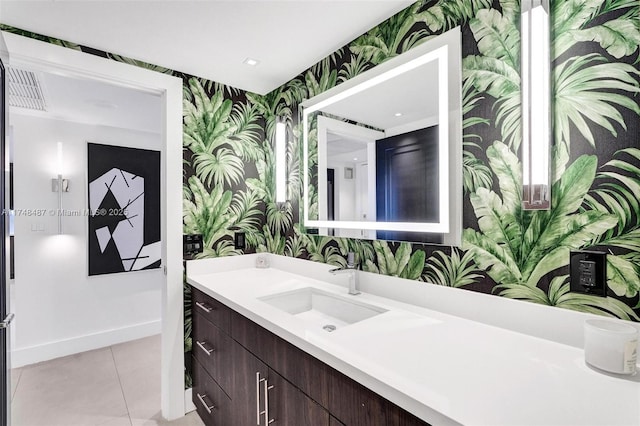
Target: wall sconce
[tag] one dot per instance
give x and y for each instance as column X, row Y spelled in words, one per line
column 59, row 185
column 281, row 160
column 536, row 107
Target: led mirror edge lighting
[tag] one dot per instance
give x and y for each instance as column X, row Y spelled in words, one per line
column 542, row 82
column 430, row 227
column 442, row 226
column 281, row 162
column 449, row 38
column 305, row 191
column 444, row 136
column 380, row 78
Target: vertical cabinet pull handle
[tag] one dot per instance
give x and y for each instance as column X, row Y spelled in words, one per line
column 202, row 346
column 258, row 380
column 266, row 402
column 204, row 404
column 204, row 307
column 259, row 412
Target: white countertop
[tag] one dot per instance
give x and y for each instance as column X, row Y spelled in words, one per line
column 442, row 368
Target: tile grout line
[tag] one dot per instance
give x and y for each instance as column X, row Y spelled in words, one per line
column 115, row 364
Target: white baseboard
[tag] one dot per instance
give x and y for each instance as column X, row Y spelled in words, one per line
column 50, row 350
column 189, row 406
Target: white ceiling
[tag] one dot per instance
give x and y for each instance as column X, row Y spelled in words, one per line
column 209, row 39
column 97, row 103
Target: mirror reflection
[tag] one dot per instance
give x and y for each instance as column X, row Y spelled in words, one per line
column 383, row 150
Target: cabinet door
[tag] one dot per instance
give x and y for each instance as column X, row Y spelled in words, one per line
column 354, row 404
column 247, row 388
column 212, row 404
column 335, row 422
column 288, row 406
column 396, row 416
column 301, row 369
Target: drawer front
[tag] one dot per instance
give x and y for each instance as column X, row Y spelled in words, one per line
column 212, row 348
column 211, row 309
column 212, row 404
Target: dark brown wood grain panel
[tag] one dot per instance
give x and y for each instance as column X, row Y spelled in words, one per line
column 335, row 422
column 397, row 416
column 212, row 348
column 206, row 391
column 246, row 372
column 288, row 406
column 301, row 369
column 354, row 404
column 211, row 309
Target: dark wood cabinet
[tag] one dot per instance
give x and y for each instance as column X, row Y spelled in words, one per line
column 354, row 404
column 301, row 369
column 259, row 393
column 214, row 311
column 289, row 406
column 247, row 372
column 262, row 374
column 212, row 403
column 334, row 422
column 212, row 348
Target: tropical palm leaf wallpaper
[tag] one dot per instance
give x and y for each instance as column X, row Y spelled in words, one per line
column 229, row 179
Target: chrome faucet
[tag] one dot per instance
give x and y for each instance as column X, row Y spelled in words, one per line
column 352, row 271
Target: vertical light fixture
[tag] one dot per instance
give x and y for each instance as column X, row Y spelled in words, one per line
column 536, row 107
column 281, row 161
column 59, row 185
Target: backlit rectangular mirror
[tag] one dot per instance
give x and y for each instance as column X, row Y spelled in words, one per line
column 383, row 151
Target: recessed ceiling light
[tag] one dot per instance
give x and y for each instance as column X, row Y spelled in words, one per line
column 355, row 158
column 398, row 114
column 251, row 62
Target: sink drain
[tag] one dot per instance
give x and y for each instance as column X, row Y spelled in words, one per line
column 329, row 328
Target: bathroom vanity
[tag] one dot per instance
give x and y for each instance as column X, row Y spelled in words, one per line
column 263, row 354
column 245, row 375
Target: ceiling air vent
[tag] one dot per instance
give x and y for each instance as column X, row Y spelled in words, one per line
column 25, row 90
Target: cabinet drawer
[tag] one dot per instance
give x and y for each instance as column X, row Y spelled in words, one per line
column 211, row 309
column 212, row 348
column 212, row 404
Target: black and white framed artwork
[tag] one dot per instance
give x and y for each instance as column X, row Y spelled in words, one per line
column 124, row 209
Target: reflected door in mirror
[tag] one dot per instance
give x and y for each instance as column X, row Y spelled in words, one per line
column 407, row 182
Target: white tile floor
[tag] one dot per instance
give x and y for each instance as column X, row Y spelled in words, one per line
column 114, row 386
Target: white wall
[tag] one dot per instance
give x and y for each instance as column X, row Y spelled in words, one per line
column 59, row 309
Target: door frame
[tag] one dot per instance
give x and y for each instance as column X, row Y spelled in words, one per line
column 40, row 56
column 5, row 304
column 358, row 133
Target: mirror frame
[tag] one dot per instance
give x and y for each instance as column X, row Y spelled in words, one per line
column 446, row 49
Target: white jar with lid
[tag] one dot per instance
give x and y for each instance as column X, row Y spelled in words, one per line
column 611, row 346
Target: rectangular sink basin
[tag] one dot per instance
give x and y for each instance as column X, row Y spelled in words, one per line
column 322, row 309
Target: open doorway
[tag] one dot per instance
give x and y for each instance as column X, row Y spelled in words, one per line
column 68, row 313
column 54, row 115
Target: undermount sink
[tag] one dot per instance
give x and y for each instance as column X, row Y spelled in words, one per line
column 322, row 309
